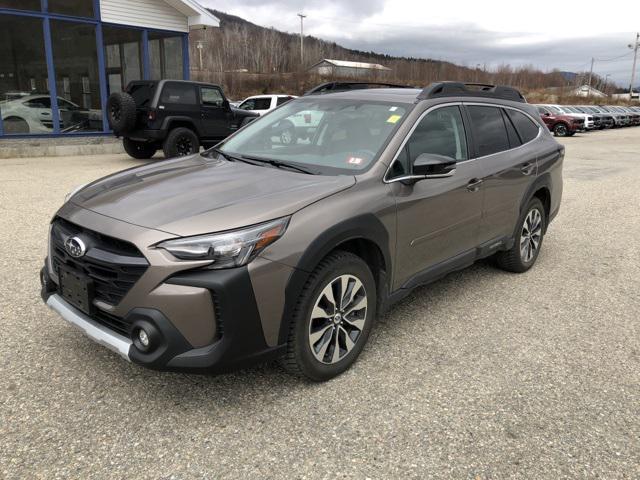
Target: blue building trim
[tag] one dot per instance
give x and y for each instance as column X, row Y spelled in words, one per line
column 51, row 75
column 102, row 68
column 146, row 62
column 96, row 20
column 186, row 73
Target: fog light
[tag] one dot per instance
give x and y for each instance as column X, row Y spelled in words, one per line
column 144, row 338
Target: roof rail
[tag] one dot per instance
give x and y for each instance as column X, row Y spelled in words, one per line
column 334, row 87
column 459, row 89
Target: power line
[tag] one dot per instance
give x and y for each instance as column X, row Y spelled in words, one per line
column 614, row 58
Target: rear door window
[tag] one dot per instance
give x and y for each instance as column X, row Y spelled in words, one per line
column 527, row 129
column 179, row 93
column 262, row 103
column 283, row 100
column 489, row 131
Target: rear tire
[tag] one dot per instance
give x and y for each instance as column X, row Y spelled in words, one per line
column 15, row 126
column 528, row 239
column 329, row 327
column 139, row 150
column 181, row 142
column 121, row 112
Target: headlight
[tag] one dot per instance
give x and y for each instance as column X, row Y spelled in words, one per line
column 228, row 249
column 74, row 191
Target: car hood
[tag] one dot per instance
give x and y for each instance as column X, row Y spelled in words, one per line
column 196, row 195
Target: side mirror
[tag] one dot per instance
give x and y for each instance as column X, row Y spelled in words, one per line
column 226, row 105
column 432, row 165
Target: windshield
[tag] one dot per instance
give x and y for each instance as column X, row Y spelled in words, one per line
column 328, row 135
column 556, row 110
column 570, row 110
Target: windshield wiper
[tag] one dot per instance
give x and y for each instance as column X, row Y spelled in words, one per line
column 230, row 158
column 280, row 164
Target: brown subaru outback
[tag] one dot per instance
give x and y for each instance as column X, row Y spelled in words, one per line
column 291, row 236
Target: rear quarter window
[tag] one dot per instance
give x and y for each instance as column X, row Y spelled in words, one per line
column 179, row 93
column 527, row 129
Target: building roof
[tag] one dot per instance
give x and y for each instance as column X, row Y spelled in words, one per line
column 199, row 17
column 347, row 64
column 591, row 90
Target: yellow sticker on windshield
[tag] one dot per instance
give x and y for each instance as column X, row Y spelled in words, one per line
column 394, row 118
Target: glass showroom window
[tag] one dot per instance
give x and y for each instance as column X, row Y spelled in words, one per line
column 75, row 59
column 123, row 53
column 24, row 92
column 77, row 8
column 21, row 4
column 165, row 56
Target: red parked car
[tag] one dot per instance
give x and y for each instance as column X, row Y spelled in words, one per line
column 561, row 125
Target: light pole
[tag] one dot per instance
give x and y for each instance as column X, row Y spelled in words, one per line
column 302, row 17
column 606, row 83
column 200, row 46
column 590, row 76
column 634, row 46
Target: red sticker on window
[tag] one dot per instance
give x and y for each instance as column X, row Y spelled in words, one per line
column 355, row 161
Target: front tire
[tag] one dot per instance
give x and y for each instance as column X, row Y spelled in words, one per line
column 332, row 319
column 528, row 239
column 181, row 142
column 561, row 130
column 139, row 150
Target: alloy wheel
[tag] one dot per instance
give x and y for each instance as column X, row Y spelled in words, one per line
column 338, row 319
column 531, row 235
column 184, row 146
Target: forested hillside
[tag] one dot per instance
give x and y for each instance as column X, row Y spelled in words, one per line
column 248, row 58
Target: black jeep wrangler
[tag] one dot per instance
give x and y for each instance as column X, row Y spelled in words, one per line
column 177, row 116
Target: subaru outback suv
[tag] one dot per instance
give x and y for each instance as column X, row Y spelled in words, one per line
column 258, row 249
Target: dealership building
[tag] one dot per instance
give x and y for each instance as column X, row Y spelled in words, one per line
column 60, row 59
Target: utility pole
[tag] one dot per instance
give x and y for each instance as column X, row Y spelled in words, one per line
column 590, row 76
column 635, row 58
column 302, row 17
column 200, row 46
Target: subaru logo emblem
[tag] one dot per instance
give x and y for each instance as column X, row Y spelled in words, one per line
column 75, row 247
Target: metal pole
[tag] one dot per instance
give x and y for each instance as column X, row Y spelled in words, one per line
column 590, row 76
column 633, row 71
column 302, row 17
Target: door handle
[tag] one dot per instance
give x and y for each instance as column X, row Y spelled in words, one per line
column 474, row 184
column 528, row 168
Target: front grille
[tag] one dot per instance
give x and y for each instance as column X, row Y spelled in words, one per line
column 113, row 265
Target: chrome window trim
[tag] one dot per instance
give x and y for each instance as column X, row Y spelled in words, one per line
column 435, row 107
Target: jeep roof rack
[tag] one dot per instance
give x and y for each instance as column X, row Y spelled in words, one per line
column 459, row 89
column 334, row 87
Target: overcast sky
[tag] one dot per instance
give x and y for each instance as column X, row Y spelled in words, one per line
column 548, row 35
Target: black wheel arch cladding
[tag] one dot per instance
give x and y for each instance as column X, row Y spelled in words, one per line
column 365, row 227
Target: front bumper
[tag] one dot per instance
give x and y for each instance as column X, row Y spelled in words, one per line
column 239, row 343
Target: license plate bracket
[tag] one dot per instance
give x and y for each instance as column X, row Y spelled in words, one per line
column 76, row 288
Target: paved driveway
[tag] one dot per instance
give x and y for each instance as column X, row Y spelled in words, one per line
column 482, row 375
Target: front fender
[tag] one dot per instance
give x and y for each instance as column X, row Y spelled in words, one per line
column 366, row 227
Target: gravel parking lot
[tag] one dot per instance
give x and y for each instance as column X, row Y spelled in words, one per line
column 482, row 375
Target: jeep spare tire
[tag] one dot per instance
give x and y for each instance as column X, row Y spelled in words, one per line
column 121, row 112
